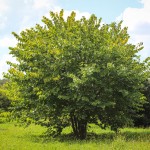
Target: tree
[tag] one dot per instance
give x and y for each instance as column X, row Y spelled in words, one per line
column 3, row 81
column 4, row 101
column 76, row 72
column 142, row 118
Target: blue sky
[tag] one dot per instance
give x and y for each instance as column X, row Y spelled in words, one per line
column 107, row 9
column 17, row 15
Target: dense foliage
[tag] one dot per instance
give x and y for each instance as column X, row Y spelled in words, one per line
column 75, row 72
column 142, row 117
column 3, row 81
column 4, row 101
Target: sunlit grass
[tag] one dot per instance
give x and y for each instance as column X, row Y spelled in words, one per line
column 32, row 138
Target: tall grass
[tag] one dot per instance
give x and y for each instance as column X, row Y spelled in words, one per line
column 32, row 138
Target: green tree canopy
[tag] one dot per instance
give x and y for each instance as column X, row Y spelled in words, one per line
column 75, row 72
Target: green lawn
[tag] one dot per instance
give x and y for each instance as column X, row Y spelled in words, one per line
column 31, row 138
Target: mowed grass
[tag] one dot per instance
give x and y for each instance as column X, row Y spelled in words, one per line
column 32, row 138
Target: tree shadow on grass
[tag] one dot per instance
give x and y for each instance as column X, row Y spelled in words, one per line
column 92, row 137
column 70, row 138
column 136, row 136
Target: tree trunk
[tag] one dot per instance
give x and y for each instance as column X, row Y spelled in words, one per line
column 79, row 127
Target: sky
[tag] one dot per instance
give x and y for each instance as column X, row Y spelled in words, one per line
column 18, row 15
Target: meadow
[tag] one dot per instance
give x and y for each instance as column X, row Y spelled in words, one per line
column 13, row 137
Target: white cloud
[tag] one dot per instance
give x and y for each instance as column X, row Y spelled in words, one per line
column 3, row 20
column 40, row 4
column 79, row 14
column 33, row 11
column 3, row 65
column 146, row 4
column 3, row 6
column 7, row 42
column 67, row 13
column 26, row 23
column 138, row 22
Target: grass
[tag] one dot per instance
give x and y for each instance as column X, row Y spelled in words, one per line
column 31, row 138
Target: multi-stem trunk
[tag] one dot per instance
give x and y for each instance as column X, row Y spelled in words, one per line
column 79, row 127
